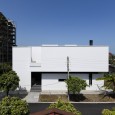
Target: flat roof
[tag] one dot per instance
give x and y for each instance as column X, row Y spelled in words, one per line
column 66, row 45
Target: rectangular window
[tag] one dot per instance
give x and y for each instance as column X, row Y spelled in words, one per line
column 90, row 78
column 61, row 80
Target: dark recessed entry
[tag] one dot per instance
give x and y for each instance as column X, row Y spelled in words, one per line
column 61, row 80
column 35, row 78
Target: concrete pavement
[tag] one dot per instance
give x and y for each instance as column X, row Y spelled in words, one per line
column 32, row 97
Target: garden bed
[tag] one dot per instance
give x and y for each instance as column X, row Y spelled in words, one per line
column 78, row 98
column 52, row 97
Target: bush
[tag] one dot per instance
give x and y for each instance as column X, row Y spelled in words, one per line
column 75, row 84
column 9, row 81
column 13, row 106
column 66, row 106
column 106, row 112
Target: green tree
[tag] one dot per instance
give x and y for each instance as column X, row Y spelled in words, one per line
column 111, row 59
column 4, row 68
column 75, row 84
column 9, row 81
column 109, row 81
column 13, row 106
column 66, row 106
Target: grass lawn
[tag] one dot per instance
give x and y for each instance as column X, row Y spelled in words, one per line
column 78, row 98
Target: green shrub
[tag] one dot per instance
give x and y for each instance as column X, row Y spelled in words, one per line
column 75, row 84
column 106, row 112
column 113, row 108
column 13, row 106
column 66, row 106
column 9, row 81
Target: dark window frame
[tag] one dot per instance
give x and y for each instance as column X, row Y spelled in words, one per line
column 90, row 79
column 61, row 80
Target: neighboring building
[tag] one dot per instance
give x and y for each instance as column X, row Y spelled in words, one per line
column 7, row 39
column 46, row 67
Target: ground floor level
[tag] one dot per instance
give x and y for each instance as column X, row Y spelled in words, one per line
column 43, row 81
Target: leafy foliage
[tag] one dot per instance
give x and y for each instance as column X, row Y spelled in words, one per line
column 106, row 112
column 75, row 84
column 13, row 106
column 9, row 81
column 109, row 80
column 111, row 59
column 66, row 106
column 4, row 68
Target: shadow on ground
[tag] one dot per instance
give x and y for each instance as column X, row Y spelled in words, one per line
column 77, row 97
column 109, row 95
column 18, row 93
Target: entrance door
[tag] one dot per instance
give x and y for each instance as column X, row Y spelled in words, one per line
column 35, row 79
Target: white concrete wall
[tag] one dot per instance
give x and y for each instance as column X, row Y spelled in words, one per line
column 50, row 81
column 54, row 59
column 97, row 84
column 81, row 59
column 36, row 54
column 21, row 61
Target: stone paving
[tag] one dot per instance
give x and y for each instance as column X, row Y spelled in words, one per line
column 32, row 97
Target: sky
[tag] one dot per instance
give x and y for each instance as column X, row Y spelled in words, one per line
column 62, row 21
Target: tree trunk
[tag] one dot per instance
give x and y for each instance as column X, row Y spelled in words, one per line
column 113, row 86
column 7, row 92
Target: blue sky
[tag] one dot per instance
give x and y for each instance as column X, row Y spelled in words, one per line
column 62, row 21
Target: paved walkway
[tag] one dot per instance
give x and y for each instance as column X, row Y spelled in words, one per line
column 92, row 92
column 82, row 92
column 32, row 97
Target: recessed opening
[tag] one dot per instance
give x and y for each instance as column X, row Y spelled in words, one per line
column 35, row 78
column 61, row 80
column 90, row 78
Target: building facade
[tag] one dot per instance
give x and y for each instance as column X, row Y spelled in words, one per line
column 7, row 39
column 47, row 66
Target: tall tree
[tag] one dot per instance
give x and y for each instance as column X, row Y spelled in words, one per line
column 75, row 84
column 9, row 81
column 109, row 81
column 111, row 59
column 4, row 68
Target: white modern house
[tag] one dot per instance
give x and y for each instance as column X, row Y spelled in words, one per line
column 47, row 66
